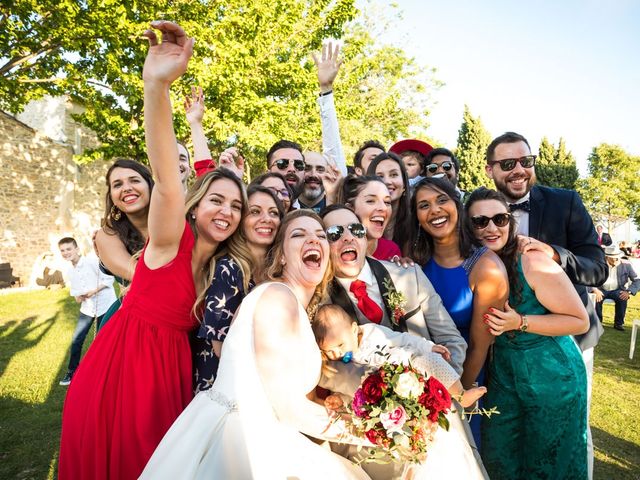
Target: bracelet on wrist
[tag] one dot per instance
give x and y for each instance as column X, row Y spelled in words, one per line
column 324, row 94
column 525, row 323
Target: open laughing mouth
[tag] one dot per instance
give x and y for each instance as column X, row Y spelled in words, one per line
column 221, row 224
column 378, row 221
column 130, row 198
column 438, row 222
column 312, row 258
column 349, row 254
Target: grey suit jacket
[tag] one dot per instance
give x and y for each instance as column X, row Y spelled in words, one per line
column 425, row 314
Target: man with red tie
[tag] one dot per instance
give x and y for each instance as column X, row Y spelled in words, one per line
column 364, row 287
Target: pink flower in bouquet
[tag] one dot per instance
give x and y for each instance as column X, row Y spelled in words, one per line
column 373, row 388
column 358, row 402
column 393, row 420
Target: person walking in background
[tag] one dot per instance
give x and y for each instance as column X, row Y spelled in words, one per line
column 622, row 282
column 92, row 289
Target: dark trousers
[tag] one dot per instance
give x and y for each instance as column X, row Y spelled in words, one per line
column 621, row 305
column 77, row 340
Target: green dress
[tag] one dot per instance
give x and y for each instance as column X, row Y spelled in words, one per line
column 538, row 384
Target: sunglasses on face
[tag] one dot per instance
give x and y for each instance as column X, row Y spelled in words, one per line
column 509, row 164
column 499, row 220
column 335, row 232
column 283, row 164
column 433, row 167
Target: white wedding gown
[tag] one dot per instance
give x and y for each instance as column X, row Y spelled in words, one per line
column 232, row 432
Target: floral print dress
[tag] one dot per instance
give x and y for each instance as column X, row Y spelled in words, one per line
column 221, row 302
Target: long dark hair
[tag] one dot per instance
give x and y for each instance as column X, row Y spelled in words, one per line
column 402, row 218
column 420, row 242
column 128, row 234
column 509, row 253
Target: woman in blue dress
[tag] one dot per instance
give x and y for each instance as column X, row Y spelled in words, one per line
column 537, row 378
column 469, row 279
column 239, row 267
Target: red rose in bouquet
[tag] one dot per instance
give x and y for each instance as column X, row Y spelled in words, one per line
column 436, row 398
column 373, row 388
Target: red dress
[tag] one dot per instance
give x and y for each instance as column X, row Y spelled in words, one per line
column 135, row 379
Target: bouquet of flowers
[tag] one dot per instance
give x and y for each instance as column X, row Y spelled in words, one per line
column 399, row 410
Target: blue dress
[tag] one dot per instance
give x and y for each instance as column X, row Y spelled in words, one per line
column 452, row 284
column 221, row 302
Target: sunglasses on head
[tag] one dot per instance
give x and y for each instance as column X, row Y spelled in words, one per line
column 433, row 167
column 509, row 164
column 283, row 164
column 499, row 220
column 335, row 232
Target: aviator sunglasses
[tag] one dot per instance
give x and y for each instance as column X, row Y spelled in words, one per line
column 283, row 164
column 509, row 164
column 433, row 167
column 335, row 232
column 499, row 220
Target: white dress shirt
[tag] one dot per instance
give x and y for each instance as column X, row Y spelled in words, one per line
column 522, row 217
column 612, row 279
column 86, row 276
column 367, row 276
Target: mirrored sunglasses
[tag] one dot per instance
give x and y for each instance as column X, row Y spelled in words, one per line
column 433, row 167
column 509, row 164
column 335, row 232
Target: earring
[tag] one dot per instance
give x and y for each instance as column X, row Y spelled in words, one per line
column 193, row 216
column 283, row 262
column 114, row 213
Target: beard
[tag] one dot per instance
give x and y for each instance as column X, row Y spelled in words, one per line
column 514, row 194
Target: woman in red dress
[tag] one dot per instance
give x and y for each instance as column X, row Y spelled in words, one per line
column 136, row 378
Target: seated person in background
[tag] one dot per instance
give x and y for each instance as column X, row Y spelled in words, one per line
column 626, row 250
column 621, row 283
column 342, row 341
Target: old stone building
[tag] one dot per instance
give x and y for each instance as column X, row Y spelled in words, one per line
column 44, row 193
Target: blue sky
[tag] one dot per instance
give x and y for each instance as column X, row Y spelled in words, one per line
column 557, row 68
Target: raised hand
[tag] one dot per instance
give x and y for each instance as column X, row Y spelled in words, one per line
column 232, row 160
column 328, row 65
column 331, row 180
column 194, row 106
column 167, row 59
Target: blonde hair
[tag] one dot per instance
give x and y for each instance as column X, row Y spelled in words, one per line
column 276, row 268
column 196, row 193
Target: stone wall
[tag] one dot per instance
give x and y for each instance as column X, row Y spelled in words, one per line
column 44, row 194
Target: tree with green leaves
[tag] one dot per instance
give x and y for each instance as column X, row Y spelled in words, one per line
column 251, row 57
column 471, row 150
column 556, row 167
column 610, row 191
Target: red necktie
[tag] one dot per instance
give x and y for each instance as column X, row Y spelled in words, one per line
column 368, row 307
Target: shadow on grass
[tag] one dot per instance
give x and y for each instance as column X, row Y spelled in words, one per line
column 623, row 457
column 30, row 431
column 17, row 340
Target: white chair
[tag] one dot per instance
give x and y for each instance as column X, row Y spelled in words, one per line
column 634, row 332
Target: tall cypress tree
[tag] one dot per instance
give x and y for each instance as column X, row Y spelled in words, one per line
column 556, row 167
column 473, row 140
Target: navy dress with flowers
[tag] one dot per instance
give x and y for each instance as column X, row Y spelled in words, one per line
column 221, row 302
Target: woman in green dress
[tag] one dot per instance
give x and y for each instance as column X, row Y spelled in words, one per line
column 537, row 379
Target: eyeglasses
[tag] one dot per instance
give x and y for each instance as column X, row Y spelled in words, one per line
column 433, row 167
column 499, row 220
column 509, row 164
column 335, row 232
column 283, row 193
column 283, row 164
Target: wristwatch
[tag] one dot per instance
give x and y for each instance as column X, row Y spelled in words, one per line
column 525, row 323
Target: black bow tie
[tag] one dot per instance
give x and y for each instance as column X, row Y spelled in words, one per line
column 520, row 206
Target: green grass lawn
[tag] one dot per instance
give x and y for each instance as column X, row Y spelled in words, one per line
column 35, row 331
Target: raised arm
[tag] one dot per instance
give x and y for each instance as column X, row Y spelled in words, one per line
column 194, row 111
column 328, row 65
column 166, row 61
column 490, row 286
column 114, row 255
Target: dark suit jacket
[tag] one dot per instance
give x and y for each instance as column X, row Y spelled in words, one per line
column 628, row 278
column 606, row 239
column 558, row 217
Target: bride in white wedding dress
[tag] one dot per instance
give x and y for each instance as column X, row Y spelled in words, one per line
column 248, row 424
